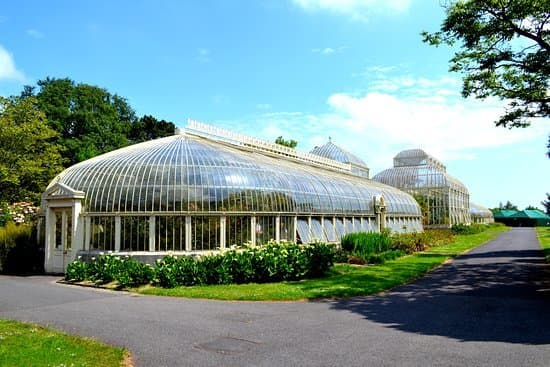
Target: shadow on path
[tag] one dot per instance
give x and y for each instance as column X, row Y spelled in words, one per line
column 494, row 295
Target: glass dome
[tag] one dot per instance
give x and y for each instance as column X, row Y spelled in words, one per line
column 444, row 199
column 480, row 214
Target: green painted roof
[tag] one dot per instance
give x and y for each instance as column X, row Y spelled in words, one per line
column 505, row 213
column 533, row 214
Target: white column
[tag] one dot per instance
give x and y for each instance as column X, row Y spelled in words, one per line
column 222, row 232
column 294, row 229
column 87, row 232
column 78, row 227
column 117, row 233
column 188, row 233
column 49, row 238
column 152, row 227
column 253, row 231
column 278, row 229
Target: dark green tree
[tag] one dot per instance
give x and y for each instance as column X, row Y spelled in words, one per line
column 89, row 119
column 508, row 206
column 504, row 48
column 531, row 207
column 149, row 128
column 546, row 203
column 287, row 143
column 30, row 155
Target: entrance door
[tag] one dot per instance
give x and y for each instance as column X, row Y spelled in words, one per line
column 62, row 253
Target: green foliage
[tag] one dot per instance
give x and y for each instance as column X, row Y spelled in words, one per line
column 468, row 229
column 30, row 156
column 504, row 53
column 260, row 264
column 19, row 253
column 365, row 244
column 32, row 345
column 149, row 128
column 108, row 268
column 89, row 119
column 508, row 206
column 287, row 143
column 546, row 203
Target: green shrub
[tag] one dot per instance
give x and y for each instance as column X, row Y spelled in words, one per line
column 19, row 252
column 385, row 256
column 259, row 264
column 364, row 244
column 107, row 268
column 468, row 229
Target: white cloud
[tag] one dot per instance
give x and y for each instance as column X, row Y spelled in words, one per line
column 204, row 55
column 35, row 34
column 263, row 106
column 8, row 70
column 356, row 9
column 378, row 124
column 324, row 51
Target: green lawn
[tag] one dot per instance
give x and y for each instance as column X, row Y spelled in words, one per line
column 30, row 345
column 343, row 280
column 543, row 234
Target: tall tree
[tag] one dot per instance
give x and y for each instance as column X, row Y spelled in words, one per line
column 149, row 128
column 504, row 52
column 508, row 206
column 546, row 203
column 30, row 155
column 287, row 143
column 89, row 119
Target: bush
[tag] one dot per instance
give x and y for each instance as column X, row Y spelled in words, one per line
column 107, row 268
column 19, row 253
column 364, row 244
column 468, row 229
column 260, row 264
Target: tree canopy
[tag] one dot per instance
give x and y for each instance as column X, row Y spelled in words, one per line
column 546, row 203
column 287, row 143
column 90, row 120
column 30, row 155
column 504, row 52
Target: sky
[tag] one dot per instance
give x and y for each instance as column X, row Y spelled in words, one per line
column 353, row 70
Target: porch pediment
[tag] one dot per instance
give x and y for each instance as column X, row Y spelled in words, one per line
column 62, row 191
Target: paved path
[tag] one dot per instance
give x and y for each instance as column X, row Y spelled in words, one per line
column 487, row 308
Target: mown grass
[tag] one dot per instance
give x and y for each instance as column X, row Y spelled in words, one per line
column 31, row 345
column 543, row 233
column 342, row 280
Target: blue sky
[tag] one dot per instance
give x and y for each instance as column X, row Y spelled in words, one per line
column 305, row 69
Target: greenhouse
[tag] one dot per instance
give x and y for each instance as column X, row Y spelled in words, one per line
column 444, row 199
column 480, row 214
column 207, row 188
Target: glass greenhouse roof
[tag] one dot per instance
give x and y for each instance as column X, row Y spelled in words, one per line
column 197, row 171
column 415, row 169
column 480, row 211
column 334, row 152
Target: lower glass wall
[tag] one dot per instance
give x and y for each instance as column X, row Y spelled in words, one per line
column 237, row 230
column 287, row 229
column 170, row 234
column 205, row 233
column 134, row 233
column 304, row 234
column 318, row 234
column 330, row 230
column 102, row 233
column 265, row 229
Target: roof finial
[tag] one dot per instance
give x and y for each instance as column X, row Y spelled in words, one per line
column 329, row 139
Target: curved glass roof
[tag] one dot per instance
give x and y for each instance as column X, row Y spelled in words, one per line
column 334, row 152
column 189, row 173
column 480, row 211
column 415, row 169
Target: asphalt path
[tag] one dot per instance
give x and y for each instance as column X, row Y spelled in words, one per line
column 489, row 307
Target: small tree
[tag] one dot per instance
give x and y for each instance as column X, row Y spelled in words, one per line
column 546, row 203
column 287, row 143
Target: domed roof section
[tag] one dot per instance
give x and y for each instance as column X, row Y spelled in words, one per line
column 416, row 157
column 186, row 173
column 480, row 211
column 334, row 152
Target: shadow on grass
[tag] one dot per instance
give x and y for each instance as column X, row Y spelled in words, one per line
column 489, row 300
